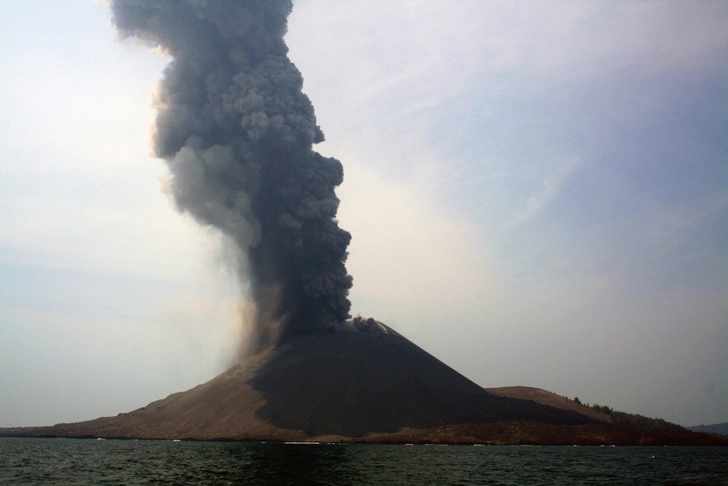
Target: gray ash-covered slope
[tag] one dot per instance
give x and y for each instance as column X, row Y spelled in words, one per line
column 345, row 384
column 355, row 383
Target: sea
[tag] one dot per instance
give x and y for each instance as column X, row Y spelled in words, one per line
column 130, row 462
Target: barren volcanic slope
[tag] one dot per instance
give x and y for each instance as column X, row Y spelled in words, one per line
column 355, row 386
column 345, row 384
column 354, row 383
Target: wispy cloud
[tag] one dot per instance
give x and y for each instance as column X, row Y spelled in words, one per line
column 549, row 189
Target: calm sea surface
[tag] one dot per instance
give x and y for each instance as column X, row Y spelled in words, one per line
column 70, row 461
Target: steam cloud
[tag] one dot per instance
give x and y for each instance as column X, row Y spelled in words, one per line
column 237, row 133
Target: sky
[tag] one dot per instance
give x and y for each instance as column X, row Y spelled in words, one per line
column 537, row 195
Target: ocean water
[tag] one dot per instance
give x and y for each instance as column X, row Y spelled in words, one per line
column 122, row 462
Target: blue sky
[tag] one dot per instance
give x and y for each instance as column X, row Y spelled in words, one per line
column 537, row 193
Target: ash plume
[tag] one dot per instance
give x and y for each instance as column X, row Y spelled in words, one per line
column 237, row 133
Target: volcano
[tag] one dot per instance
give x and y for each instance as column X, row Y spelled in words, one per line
column 365, row 385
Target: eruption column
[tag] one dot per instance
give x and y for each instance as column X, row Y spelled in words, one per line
column 237, row 133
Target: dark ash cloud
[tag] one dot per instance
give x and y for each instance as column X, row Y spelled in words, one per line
column 237, row 133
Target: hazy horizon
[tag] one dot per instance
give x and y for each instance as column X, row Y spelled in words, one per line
column 537, row 195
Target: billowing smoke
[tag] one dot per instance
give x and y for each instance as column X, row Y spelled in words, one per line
column 237, row 133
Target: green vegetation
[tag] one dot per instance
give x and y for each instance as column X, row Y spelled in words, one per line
column 632, row 419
